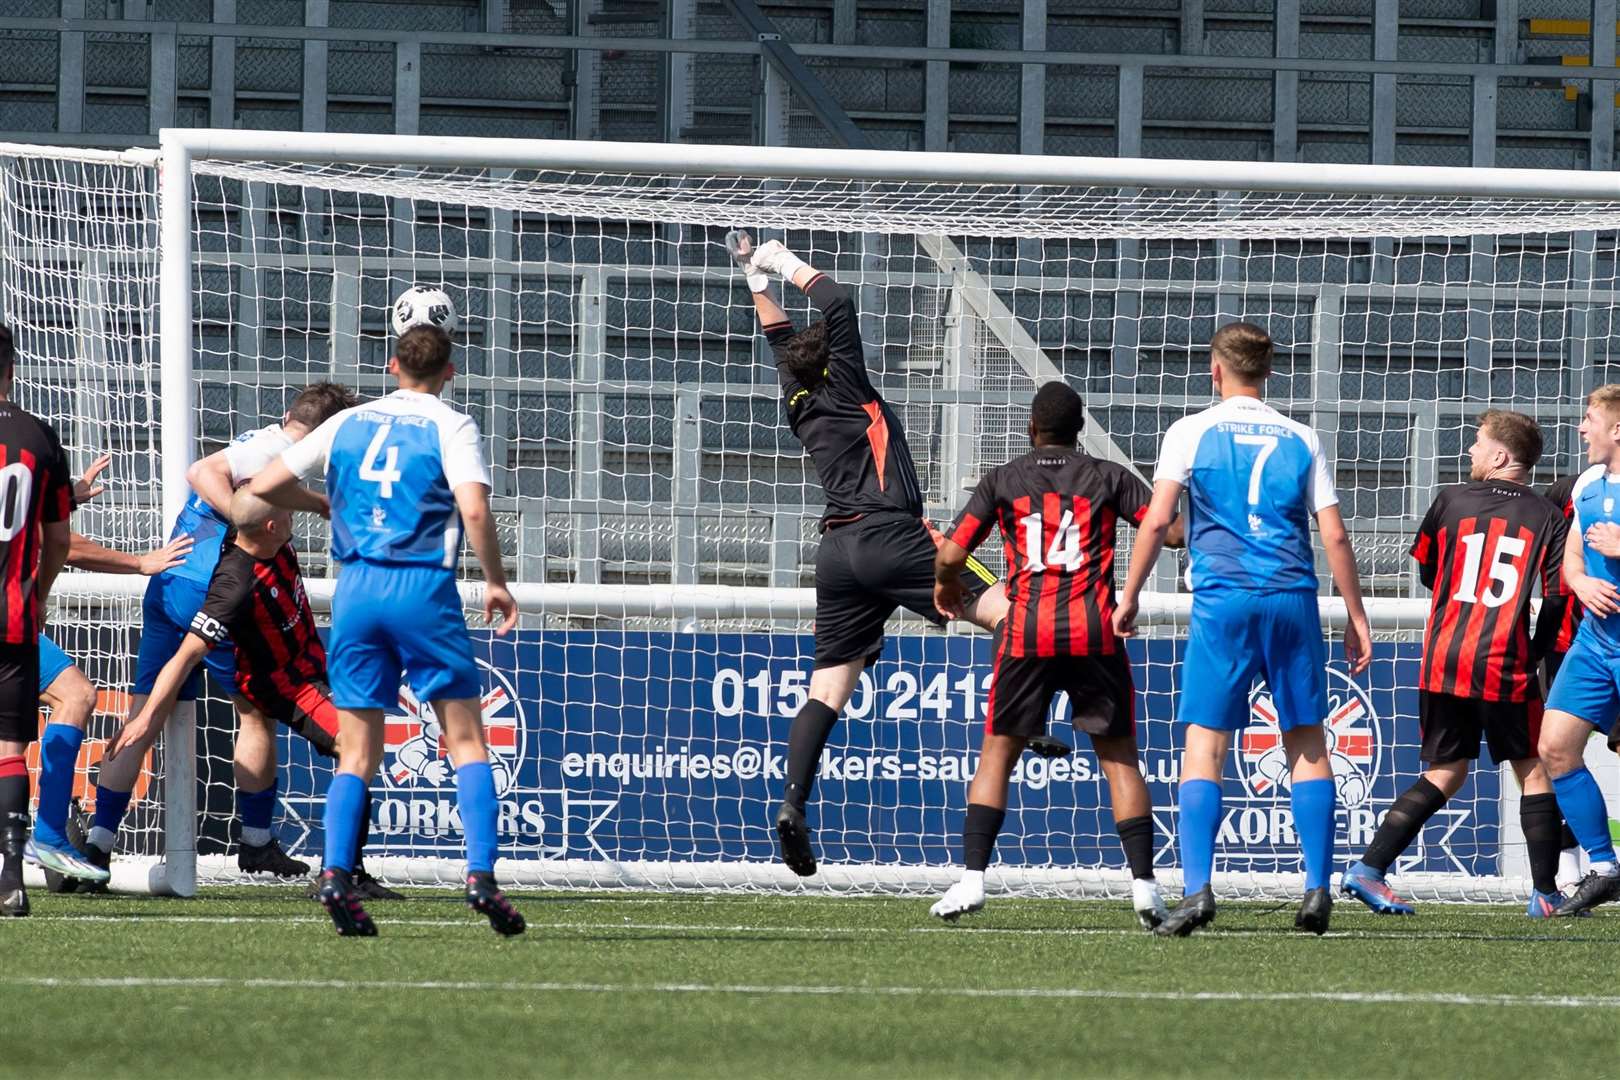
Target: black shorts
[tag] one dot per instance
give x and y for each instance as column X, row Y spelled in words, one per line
column 866, row 569
column 1102, row 694
column 1451, row 728
column 19, row 692
column 306, row 708
column 1549, row 671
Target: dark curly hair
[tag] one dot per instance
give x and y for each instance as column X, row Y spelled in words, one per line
column 804, row 355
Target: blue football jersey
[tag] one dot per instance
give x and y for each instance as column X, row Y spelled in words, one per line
column 1254, row 478
column 247, row 455
column 391, row 469
column 1596, row 497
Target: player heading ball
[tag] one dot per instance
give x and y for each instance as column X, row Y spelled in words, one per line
column 404, row 475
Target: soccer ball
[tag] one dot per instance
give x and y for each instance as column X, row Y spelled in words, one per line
column 424, row 304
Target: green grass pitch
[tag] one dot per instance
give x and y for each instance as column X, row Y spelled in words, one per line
column 253, row 983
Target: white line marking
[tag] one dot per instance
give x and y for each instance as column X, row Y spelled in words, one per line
column 831, row 931
column 1373, row 997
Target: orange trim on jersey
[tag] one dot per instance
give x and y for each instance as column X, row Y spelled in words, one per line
column 877, row 433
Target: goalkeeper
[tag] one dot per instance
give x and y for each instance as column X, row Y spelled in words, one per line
column 256, row 602
column 877, row 552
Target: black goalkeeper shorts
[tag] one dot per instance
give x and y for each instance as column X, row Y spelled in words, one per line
column 866, row 569
column 1451, row 728
column 1102, row 694
column 19, row 692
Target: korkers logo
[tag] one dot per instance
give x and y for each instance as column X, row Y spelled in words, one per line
column 414, row 757
column 1352, row 742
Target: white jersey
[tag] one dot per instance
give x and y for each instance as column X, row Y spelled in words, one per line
column 246, row 456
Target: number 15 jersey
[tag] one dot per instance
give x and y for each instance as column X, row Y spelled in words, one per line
column 1254, row 478
column 1480, row 548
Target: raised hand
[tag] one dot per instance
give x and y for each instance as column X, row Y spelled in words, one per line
column 85, row 487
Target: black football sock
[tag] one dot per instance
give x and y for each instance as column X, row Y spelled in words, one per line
column 979, row 833
column 1136, row 837
column 1566, row 837
column 1540, row 819
column 806, row 739
column 13, row 817
column 1402, row 824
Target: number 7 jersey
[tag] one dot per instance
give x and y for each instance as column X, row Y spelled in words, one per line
column 1481, row 547
column 1254, row 478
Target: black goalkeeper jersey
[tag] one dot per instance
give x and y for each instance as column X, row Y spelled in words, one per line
column 1481, row 547
column 1058, row 510
column 855, row 439
column 35, row 490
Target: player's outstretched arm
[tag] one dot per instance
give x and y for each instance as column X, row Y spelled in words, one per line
column 1596, row 594
column 86, row 554
column 142, row 729
column 1342, row 562
column 472, row 499
column 1151, row 536
column 278, row 486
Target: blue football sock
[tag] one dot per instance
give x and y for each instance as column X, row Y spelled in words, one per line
column 58, row 755
column 475, row 798
column 256, row 808
column 1581, row 801
column 1200, row 821
column 110, row 808
column 345, row 803
column 1313, row 819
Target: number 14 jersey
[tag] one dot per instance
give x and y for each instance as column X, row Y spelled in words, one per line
column 1480, row 549
column 1058, row 510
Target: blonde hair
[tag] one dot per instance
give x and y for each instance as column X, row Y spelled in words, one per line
column 1608, row 397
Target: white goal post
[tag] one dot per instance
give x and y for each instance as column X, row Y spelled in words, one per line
column 659, row 521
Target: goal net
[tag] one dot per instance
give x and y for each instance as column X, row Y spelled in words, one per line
column 661, row 522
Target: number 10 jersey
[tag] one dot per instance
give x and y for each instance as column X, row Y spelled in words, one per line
column 1480, row 549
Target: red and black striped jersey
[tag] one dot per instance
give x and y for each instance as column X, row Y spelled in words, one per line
column 1570, row 619
column 1057, row 509
column 35, row 490
column 1481, row 547
column 854, row 438
column 259, row 605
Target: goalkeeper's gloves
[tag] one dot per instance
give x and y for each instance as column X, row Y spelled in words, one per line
column 773, row 258
column 741, row 247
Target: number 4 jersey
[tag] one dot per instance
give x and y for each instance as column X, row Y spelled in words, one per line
column 1480, row 549
column 391, row 469
column 1057, row 509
